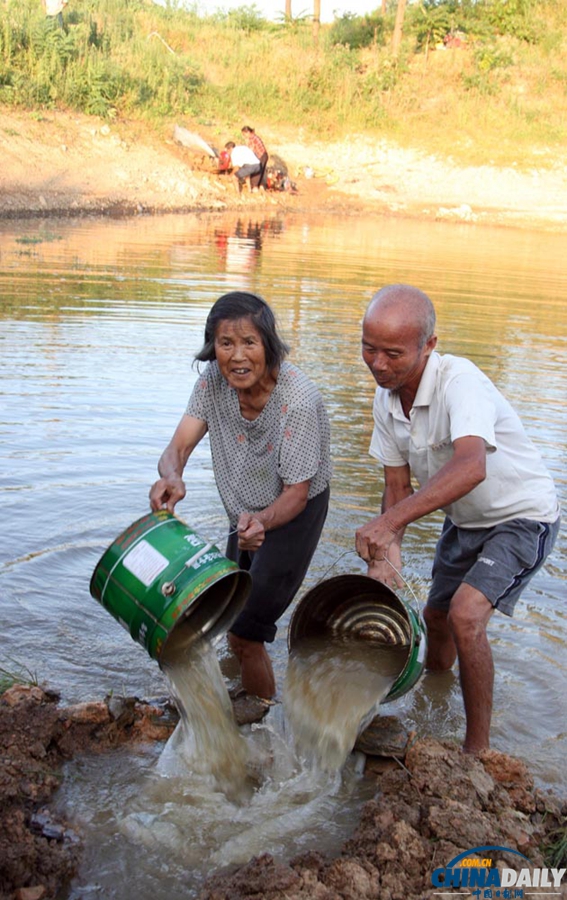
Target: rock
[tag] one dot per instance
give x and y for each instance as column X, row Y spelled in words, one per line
column 121, row 708
column 94, row 713
column 43, row 823
column 248, row 709
column 483, row 784
column 458, row 822
column 37, row 749
column 152, row 723
column 54, row 832
column 23, row 693
column 385, row 736
column 512, row 774
column 260, row 877
column 39, row 821
column 506, row 769
column 443, row 770
column 352, row 881
column 377, row 765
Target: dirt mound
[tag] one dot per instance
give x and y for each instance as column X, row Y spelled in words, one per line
column 38, row 851
column 438, row 804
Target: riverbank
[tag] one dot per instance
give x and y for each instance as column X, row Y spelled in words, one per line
column 432, row 802
column 62, row 164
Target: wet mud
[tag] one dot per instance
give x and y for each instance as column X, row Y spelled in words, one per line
column 432, row 802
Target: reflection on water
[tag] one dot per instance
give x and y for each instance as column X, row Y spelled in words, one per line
column 239, row 244
column 100, row 321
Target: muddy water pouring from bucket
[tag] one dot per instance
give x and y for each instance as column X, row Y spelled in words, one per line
column 354, row 644
column 206, row 740
column 176, row 593
column 333, row 688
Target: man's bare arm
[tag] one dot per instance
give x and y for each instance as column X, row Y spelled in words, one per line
column 463, row 472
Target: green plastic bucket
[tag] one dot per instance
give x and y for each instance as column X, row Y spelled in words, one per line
column 360, row 608
column 159, row 577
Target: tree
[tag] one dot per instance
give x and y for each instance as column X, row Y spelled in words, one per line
column 398, row 27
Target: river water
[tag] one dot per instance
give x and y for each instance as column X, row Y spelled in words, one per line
column 99, row 323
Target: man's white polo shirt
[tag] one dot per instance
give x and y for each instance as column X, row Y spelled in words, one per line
column 241, row 155
column 455, row 399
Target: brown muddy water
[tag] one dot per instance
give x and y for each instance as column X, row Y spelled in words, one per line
column 100, row 321
column 332, row 690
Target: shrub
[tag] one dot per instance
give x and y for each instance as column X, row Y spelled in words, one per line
column 357, row 31
column 243, row 18
column 515, row 18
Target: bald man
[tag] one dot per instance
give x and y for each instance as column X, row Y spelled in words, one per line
column 442, row 421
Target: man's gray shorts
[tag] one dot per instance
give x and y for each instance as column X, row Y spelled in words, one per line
column 249, row 169
column 497, row 561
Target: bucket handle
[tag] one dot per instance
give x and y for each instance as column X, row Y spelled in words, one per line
column 398, row 573
column 332, row 566
column 406, row 583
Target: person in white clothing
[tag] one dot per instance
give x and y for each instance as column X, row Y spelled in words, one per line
column 244, row 160
column 442, row 421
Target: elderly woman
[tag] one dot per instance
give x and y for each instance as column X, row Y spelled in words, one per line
column 270, row 447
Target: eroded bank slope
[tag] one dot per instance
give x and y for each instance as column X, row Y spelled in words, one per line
column 57, row 163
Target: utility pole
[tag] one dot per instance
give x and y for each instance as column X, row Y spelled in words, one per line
column 316, row 20
column 398, row 27
column 288, row 10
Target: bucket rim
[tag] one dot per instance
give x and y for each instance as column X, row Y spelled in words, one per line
column 355, row 577
column 413, row 669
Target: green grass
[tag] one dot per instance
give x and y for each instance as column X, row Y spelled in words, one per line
column 38, row 238
column 555, row 850
column 16, row 674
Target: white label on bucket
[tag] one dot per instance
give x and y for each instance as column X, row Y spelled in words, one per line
column 145, row 562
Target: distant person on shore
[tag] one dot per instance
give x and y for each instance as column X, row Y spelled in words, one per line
column 442, row 421
column 270, row 447
column 244, row 161
column 54, row 9
column 258, row 147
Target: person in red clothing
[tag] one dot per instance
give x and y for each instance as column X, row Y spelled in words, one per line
column 258, row 147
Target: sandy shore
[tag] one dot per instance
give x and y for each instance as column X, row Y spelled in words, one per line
column 57, row 163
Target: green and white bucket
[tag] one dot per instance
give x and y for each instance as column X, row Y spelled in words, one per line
column 160, row 577
column 360, row 608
